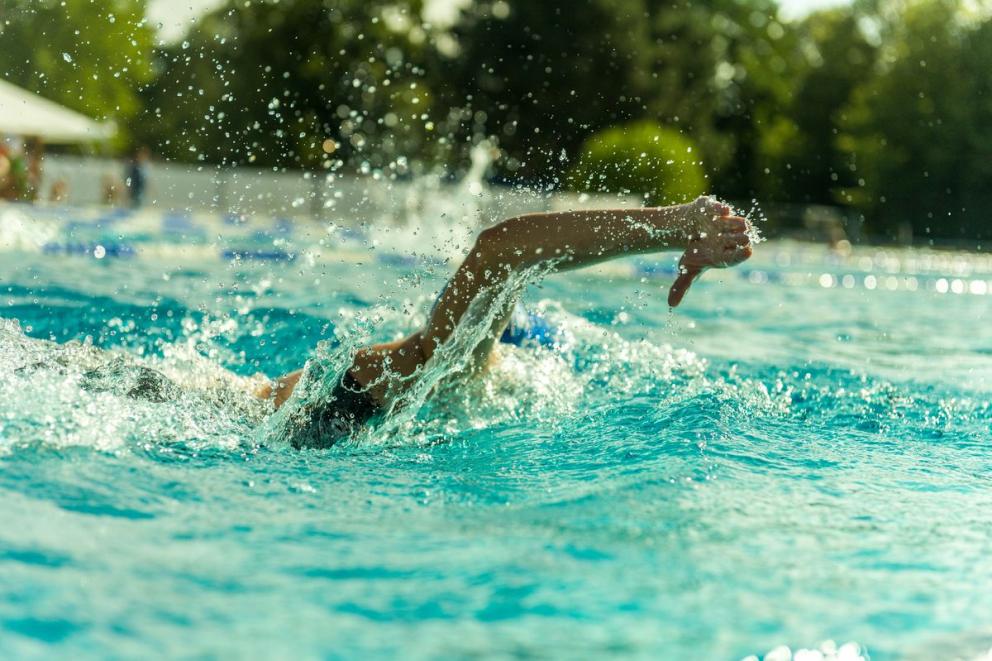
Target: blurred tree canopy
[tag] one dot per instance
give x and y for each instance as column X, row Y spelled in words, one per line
column 542, row 76
column 798, row 149
column 299, row 83
column 644, row 157
column 917, row 134
column 881, row 106
column 91, row 57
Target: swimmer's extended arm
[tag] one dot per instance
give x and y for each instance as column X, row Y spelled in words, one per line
column 710, row 236
column 280, row 389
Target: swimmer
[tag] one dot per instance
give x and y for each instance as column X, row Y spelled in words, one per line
column 704, row 229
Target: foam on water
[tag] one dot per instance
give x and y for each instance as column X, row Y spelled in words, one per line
column 779, row 463
column 74, row 394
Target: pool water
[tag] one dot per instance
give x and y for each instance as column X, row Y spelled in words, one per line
column 797, row 455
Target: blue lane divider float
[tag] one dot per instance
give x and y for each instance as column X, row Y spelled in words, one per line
column 181, row 223
column 878, row 270
column 258, row 255
column 397, row 259
column 654, row 269
column 282, row 228
column 116, row 214
column 89, row 249
column 353, row 234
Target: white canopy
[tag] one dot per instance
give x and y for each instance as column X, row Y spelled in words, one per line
column 25, row 114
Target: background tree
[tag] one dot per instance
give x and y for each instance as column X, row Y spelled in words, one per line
column 543, row 77
column 92, row 57
column 883, row 106
column 916, row 133
column 725, row 68
column 300, row 83
column 797, row 148
column 540, row 77
column 643, row 158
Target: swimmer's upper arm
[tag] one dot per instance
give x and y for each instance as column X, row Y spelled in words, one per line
column 402, row 358
column 281, row 388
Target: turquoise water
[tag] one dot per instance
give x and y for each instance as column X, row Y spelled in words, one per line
column 799, row 454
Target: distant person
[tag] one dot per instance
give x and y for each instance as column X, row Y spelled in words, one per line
column 6, row 173
column 34, row 155
column 136, row 176
column 110, row 189
column 14, row 171
column 59, row 192
column 559, row 241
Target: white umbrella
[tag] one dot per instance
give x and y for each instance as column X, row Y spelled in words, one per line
column 25, row 114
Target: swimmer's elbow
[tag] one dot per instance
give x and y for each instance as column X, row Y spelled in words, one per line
column 282, row 389
column 425, row 344
column 263, row 392
column 488, row 243
column 500, row 246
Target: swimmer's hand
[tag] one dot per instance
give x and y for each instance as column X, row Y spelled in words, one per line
column 720, row 240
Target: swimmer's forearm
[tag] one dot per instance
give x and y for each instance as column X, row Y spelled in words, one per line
column 586, row 237
column 279, row 390
column 564, row 240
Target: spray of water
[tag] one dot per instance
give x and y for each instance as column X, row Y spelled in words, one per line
column 74, row 394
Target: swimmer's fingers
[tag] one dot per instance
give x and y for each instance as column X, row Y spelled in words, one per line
column 721, row 250
column 708, row 205
column 736, row 249
column 733, row 225
column 706, row 216
column 717, row 208
column 687, row 275
column 716, row 224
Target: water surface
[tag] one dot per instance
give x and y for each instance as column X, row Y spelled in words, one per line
column 798, row 454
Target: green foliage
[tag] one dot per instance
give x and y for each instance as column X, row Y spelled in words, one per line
column 917, row 133
column 541, row 76
column 641, row 158
column 884, row 106
column 92, row 57
column 271, row 83
column 797, row 147
column 725, row 73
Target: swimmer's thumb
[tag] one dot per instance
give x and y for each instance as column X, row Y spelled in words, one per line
column 681, row 285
